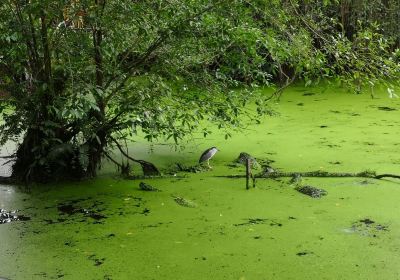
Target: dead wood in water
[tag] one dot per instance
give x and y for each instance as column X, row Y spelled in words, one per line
column 318, row 173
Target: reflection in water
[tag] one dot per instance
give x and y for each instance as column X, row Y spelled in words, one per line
column 5, row 164
column 7, row 194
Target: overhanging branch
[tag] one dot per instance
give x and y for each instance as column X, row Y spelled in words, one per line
column 147, row 167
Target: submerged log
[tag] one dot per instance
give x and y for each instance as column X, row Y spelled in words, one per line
column 318, row 173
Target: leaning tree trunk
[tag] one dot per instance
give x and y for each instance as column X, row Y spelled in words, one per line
column 24, row 168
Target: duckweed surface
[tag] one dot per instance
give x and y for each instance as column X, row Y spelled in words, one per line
column 110, row 229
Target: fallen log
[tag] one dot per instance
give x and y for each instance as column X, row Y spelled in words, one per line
column 318, row 173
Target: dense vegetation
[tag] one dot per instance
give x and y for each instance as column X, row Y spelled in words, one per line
column 79, row 77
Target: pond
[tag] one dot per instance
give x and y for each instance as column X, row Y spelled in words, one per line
column 204, row 226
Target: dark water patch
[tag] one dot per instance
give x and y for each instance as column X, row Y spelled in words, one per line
column 51, row 222
column 145, row 211
column 323, row 126
column 11, row 216
column 252, row 221
column 257, row 237
column 385, row 108
column 335, row 112
column 333, row 146
column 309, row 94
column 273, row 223
column 69, row 243
column 304, row 253
column 73, row 208
column 96, row 216
column 67, row 209
column 365, row 182
column 369, row 143
column 370, row 223
column 258, row 221
column 97, row 261
column 367, row 227
column 367, row 221
column 41, row 274
column 159, row 224
column 300, row 104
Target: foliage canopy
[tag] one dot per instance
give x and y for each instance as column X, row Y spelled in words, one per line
column 79, row 76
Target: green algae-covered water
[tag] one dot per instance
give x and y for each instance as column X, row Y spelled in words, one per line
column 109, row 229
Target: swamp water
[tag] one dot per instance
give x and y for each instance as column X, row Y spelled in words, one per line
column 110, row 229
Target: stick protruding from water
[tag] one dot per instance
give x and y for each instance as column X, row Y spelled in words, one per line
column 248, row 173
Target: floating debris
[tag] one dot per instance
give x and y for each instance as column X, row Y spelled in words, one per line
column 11, row 216
column 311, row 191
column 71, row 208
column 97, row 261
column 385, row 108
column 367, row 227
column 185, row 202
column 258, row 221
column 145, row 211
column 304, row 253
column 252, row 221
column 148, row 188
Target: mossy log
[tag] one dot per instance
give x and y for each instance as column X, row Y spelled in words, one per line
column 318, row 173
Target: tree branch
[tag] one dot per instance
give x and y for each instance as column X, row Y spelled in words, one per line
column 157, row 43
